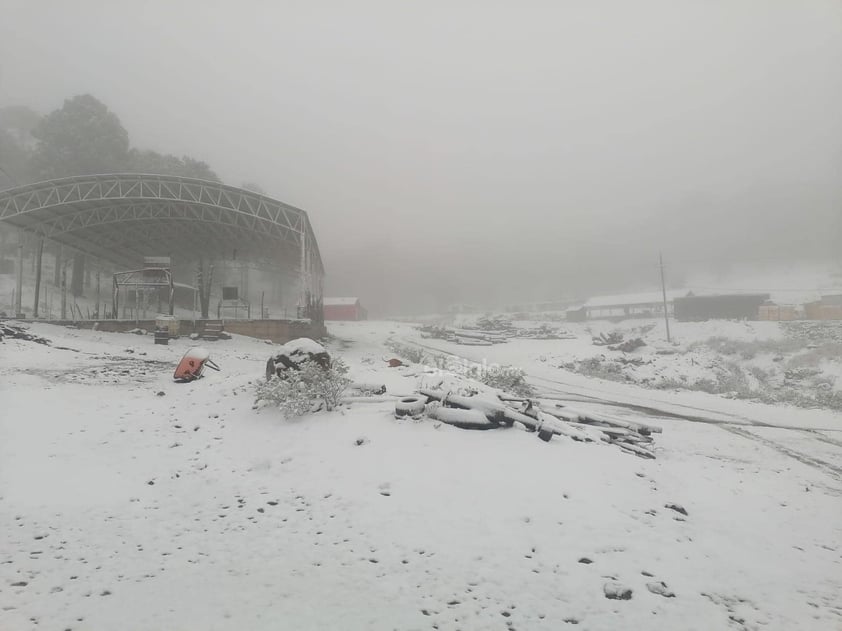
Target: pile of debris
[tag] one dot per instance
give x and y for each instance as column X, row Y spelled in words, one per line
column 436, row 332
column 544, row 332
column 500, row 324
column 614, row 342
column 492, row 330
column 468, row 337
column 18, row 332
column 547, row 419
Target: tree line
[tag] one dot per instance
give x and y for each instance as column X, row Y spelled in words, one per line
column 82, row 137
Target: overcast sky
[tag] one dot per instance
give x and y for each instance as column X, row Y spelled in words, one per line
column 479, row 151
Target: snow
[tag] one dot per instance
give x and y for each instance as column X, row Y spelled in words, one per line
column 120, row 508
column 302, row 346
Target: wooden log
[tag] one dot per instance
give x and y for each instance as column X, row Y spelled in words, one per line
column 373, row 388
column 480, row 335
column 637, row 450
column 493, row 410
column 465, row 419
column 564, row 415
column 471, row 341
column 609, row 431
column 556, row 426
column 586, row 416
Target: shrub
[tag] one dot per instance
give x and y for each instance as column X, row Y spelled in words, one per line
column 506, row 378
column 409, row 353
column 297, row 392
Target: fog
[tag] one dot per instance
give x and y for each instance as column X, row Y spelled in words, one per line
column 480, row 152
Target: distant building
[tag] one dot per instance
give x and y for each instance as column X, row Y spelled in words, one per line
column 719, row 307
column 778, row 313
column 344, row 309
column 577, row 314
column 623, row 306
column 828, row 308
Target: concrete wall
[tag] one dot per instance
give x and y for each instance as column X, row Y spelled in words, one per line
column 278, row 331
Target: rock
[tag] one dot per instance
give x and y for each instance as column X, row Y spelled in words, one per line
column 616, row 591
column 678, row 508
column 160, row 393
column 20, row 584
column 628, row 346
column 661, row 589
column 585, row 560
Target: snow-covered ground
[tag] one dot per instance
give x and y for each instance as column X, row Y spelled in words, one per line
column 798, row 363
column 129, row 501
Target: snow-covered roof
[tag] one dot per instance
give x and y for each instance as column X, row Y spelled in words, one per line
column 336, row 302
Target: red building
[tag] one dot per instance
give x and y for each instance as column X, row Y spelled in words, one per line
column 344, row 309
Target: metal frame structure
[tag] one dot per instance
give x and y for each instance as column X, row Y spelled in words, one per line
column 123, row 217
column 147, row 278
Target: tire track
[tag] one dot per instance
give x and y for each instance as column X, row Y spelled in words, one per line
column 833, row 470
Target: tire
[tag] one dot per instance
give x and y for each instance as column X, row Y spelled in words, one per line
column 545, row 435
column 410, row 406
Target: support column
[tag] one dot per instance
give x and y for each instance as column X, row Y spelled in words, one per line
column 304, row 300
column 77, row 283
column 59, row 259
column 39, row 254
column 98, row 314
column 19, row 280
column 115, row 299
column 63, row 290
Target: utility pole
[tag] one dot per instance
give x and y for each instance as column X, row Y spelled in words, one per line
column 664, row 292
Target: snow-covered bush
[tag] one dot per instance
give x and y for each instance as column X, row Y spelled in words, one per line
column 298, row 392
column 409, row 353
column 506, row 378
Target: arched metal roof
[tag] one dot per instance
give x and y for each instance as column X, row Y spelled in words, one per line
column 123, row 217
